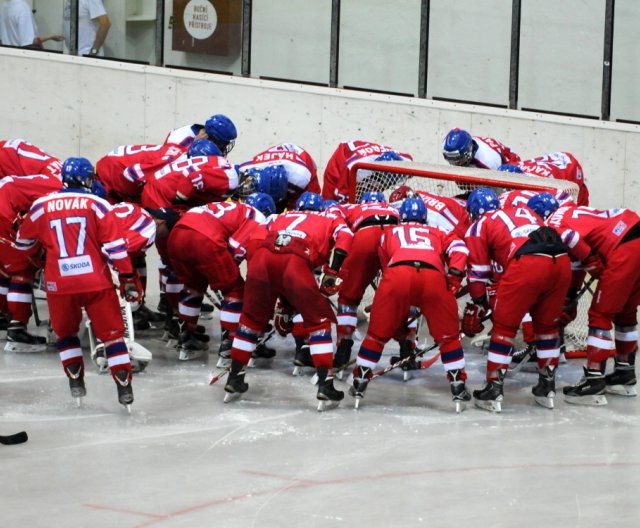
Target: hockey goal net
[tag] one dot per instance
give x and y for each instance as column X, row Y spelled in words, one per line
column 446, row 180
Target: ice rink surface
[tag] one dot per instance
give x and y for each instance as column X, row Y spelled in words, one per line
column 185, row 459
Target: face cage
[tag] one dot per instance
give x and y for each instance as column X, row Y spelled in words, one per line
column 459, row 159
column 246, row 187
column 224, row 147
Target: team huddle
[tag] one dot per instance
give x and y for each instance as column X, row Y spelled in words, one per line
column 522, row 257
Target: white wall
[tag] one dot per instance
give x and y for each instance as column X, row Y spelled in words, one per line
column 73, row 105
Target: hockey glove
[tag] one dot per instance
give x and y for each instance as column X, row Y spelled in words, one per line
column 454, row 280
column 593, row 265
column 570, row 308
column 283, row 318
column 329, row 281
column 131, row 287
column 472, row 319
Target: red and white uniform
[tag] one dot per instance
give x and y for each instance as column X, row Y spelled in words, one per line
column 615, row 235
column 20, row 158
column 301, row 169
column 183, row 136
column 447, row 213
column 190, row 182
column 338, row 182
column 516, row 198
column 295, row 243
column 559, row 166
column 205, row 249
column 138, row 227
column 491, row 153
column 124, row 171
column 532, row 281
column 413, row 257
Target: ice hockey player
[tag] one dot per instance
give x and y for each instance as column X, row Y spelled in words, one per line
column 17, row 194
column 340, row 184
column 413, row 256
column 608, row 243
column 75, row 228
column 271, row 180
column 295, row 163
column 20, row 158
column 205, row 249
column 218, row 128
column 536, row 277
column 282, row 266
column 464, row 150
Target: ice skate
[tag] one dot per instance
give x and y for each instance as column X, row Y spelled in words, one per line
column 407, row 349
column 19, row 340
column 588, row 391
column 545, row 391
column 163, row 304
column 190, row 346
column 524, row 359
column 460, row 394
column 224, row 351
column 150, row 315
column 122, row 378
column 622, row 381
column 342, row 358
column 490, row 396
column 329, row 397
column 361, row 377
column 206, row 311
column 302, row 357
column 140, row 321
column 236, row 386
column 75, row 374
column 5, row 320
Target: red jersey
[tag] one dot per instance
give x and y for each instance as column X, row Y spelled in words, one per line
column 190, row 182
column 20, row 158
column 227, row 224
column 560, row 166
column 125, row 169
column 137, row 225
column 491, row 153
column 17, row 194
column 302, row 173
column 516, row 198
column 497, row 236
column 357, row 215
column 412, row 241
column 184, row 135
column 77, row 230
column 584, row 228
column 447, row 213
column 339, row 184
column 308, row 233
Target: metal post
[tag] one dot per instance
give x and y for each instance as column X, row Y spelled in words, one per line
column 73, row 30
column 423, row 66
column 246, row 38
column 159, row 32
column 514, row 67
column 335, row 43
column 608, row 58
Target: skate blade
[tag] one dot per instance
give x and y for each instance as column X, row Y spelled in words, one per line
column 252, row 363
column 407, row 375
column 232, row 396
column 460, row 406
column 356, row 402
column 591, row 399
column 622, row 390
column 223, row 363
column 172, row 343
column 127, row 406
column 493, row 406
column 314, row 379
column 327, row 405
column 339, row 374
column 297, row 370
column 23, row 348
column 78, row 400
column 545, row 401
column 188, row 355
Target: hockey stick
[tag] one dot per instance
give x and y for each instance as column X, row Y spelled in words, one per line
column 17, row 438
column 218, row 377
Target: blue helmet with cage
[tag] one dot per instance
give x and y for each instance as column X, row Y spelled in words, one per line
column 372, row 197
column 389, row 155
column 481, row 201
column 78, row 173
column 510, row 167
column 278, row 181
column 203, row 147
column 458, row 147
column 270, row 180
column 310, row 201
column 262, row 202
column 221, row 130
column 413, row 210
column 543, row 204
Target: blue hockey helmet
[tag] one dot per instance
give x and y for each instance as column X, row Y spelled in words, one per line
column 510, row 167
column 329, row 203
column 221, row 130
column 78, row 173
column 98, row 189
column 372, row 197
column 309, row 201
column 262, row 202
column 389, row 155
column 458, row 147
column 271, row 180
column 544, row 204
column 278, row 181
column 413, row 210
column 480, row 201
column 203, row 147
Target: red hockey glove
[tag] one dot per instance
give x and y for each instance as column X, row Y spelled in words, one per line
column 329, row 282
column 471, row 320
column 454, row 280
column 283, row 318
column 593, row 265
column 131, row 287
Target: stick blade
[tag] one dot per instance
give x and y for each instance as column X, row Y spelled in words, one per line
column 18, row 438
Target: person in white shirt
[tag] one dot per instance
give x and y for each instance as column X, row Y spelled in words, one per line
column 18, row 26
column 93, row 26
